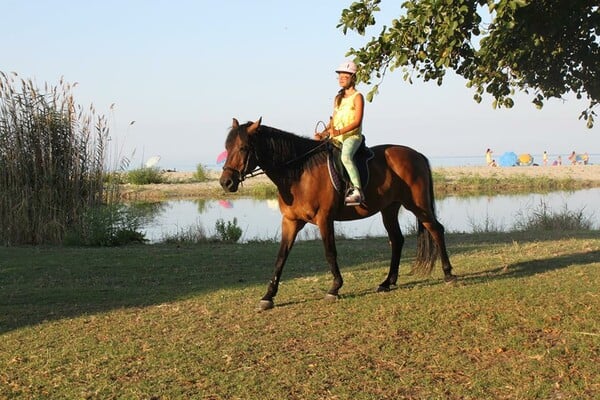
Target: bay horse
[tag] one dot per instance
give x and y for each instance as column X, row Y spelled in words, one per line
column 399, row 176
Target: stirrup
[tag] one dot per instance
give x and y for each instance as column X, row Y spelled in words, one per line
column 354, row 197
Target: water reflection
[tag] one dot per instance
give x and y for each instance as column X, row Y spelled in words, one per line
column 146, row 213
column 261, row 220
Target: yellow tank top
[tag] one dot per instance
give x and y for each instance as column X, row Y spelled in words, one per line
column 344, row 116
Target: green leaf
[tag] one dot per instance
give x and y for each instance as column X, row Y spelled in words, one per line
column 374, row 91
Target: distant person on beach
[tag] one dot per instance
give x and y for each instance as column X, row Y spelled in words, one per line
column 558, row 161
column 488, row 157
column 545, row 158
column 573, row 158
column 585, row 158
column 493, row 164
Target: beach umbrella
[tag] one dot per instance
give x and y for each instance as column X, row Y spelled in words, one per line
column 525, row 159
column 222, row 157
column 152, row 161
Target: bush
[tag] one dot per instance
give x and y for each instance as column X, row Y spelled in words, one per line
column 201, row 174
column 107, row 225
column 145, row 176
column 228, row 232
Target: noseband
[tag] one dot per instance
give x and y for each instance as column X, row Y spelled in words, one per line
column 244, row 173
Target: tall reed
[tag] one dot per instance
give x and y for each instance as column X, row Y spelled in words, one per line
column 52, row 155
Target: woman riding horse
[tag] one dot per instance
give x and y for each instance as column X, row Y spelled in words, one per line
column 345, row 127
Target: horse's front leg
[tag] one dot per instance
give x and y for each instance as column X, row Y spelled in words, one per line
column 328, row 236
column 289, row 230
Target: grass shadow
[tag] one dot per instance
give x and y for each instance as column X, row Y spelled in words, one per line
column 49, row 283
column 529, row 268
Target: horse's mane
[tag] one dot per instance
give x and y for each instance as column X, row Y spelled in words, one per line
column 287, row 152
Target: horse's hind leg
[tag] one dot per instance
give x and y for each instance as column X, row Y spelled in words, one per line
column 436, row 230
column 390, row 222
column 430, row 243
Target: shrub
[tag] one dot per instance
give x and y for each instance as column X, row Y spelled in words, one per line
column 228, row 232
column 201, row 174
column 145, row 176
column 107, row 225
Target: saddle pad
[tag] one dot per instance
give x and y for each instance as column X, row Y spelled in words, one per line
column 337, row 173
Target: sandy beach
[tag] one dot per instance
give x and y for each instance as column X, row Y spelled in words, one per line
column 589, row 173
column 577, row 172
column 178, row 184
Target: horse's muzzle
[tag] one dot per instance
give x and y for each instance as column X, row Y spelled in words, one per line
column 229, row 182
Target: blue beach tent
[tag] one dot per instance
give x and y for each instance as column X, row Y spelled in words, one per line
column 508, row 159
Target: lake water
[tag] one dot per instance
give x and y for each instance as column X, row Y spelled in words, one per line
column 261, row 220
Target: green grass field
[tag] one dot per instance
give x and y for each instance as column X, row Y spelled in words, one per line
column 169, row 322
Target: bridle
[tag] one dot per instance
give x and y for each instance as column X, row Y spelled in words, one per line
column 244, row 173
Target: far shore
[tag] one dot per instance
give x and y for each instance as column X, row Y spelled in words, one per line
column 588, row 173
column 181, row 184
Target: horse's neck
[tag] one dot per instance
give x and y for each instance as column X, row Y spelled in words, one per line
column 281, row 147
column 282, row 155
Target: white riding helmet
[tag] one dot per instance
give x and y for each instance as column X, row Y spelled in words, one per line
column 348, row 67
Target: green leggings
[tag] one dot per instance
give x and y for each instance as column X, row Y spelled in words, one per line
column 349, row 147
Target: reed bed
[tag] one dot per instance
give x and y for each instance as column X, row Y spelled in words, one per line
column 52, row 154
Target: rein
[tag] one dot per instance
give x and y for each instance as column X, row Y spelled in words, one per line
column 311, row 151
column 255, row 172
column 243, row 175
column 308, row 153
column 259, row 171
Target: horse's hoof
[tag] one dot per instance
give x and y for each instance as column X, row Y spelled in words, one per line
column 385, row 289
column 450, row 279
column 331, row 297
column 265, row 305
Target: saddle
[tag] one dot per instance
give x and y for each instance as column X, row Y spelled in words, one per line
column 337, row 173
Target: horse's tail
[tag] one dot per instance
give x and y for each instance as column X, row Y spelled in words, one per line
column 427, row 251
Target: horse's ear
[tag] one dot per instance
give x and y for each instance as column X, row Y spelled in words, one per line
column 254, row 127
column 235, row 124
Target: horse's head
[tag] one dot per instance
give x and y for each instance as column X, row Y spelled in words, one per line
column 241, row 157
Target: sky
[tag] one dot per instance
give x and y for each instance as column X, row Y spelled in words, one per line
column 183, row 69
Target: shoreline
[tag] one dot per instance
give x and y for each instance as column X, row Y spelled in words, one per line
column 181, row 185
